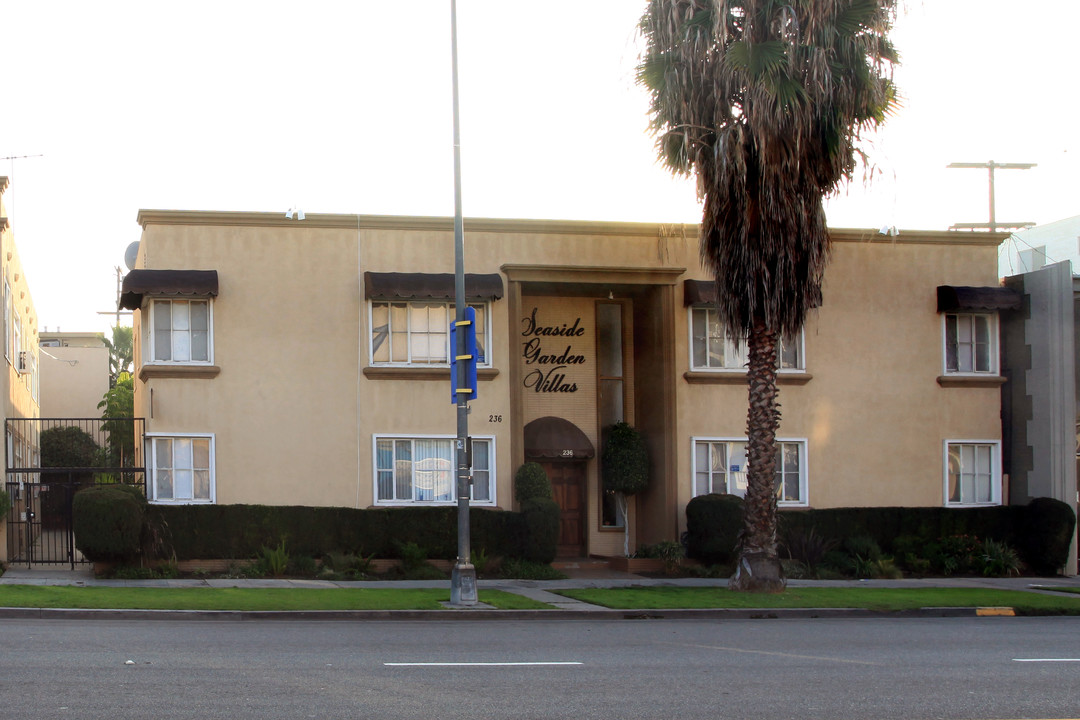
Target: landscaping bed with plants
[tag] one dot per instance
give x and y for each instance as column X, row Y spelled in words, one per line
column 895, row 542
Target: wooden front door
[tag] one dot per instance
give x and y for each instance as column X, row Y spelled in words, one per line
column 568, row 489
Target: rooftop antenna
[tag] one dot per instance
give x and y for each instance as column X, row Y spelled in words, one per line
column 13, row 158
column 119, row 287
column 993, row 225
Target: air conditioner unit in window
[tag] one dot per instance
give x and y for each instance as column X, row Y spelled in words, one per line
column 24, row 362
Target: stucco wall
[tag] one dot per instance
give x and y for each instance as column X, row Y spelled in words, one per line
column 16, row 387
column 73, row 381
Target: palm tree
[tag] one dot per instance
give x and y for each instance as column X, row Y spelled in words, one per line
column 764, row 101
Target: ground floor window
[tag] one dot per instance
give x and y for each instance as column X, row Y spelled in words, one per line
column 423, row 470
column 972, row 475
column 720, row 466
column 181, row 468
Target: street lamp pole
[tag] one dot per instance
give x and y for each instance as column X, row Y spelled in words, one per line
column 463, row 576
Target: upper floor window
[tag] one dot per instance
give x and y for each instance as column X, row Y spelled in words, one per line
column 418, row 333
column 712, row 349
column 720, row 466
column 180, row 331
column 970, row 343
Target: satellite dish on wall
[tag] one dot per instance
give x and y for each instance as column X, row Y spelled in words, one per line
column 131, row 254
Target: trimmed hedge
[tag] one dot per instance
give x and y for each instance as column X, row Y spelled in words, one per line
column 189, row 532
column 108, row 522
column 713, row 523
column 1041, row 531
column 540, row 518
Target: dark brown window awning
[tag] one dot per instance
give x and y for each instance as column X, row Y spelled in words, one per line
column 195, row 283
column 699, row 292
column 436, row 286
column 702, row 292
column 552, row 438
column 951, row 298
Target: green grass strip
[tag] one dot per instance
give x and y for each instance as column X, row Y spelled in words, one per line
column 669, row 598
column 109, row 598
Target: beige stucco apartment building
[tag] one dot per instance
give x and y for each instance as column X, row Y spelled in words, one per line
column 19, row 379
column 74, row 373
column 304, row 362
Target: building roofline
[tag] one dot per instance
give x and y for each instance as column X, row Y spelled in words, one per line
column 146, row 218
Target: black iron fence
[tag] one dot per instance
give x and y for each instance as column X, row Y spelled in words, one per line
column 48, row 461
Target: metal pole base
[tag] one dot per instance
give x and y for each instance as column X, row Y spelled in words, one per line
column 463, row 584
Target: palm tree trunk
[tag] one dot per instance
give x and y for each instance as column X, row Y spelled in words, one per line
column 758, row 568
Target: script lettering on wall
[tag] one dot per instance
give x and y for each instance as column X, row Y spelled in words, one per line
column 549, row 349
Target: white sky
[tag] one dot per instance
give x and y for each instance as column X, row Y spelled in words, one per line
column 345, row 107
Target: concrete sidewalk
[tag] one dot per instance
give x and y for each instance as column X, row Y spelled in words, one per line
column 539, row 590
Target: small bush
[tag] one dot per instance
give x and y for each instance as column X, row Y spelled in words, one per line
column 108, row 522
column 671, row 553
column 625, row 460
column 713, row 523
column 274, row 561
column 531, row 482
column 479, row 560
column 807, row 546
column 862, row 546
column 515, row 569
column 5, row 503
column 413, row 556
column 302, row 566
column 999, row 560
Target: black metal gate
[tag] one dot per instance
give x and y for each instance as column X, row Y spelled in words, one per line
column 39, row 521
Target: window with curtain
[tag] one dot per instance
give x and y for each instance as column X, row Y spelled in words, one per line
column 712, row 349
column 423, row 470
column 720, row 466
column 418, row 333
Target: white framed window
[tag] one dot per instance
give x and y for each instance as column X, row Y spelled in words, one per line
column 181, row 468
column 972, row 472
column 180, row 331
column 411, row 469
column 418, row 333
column 8, row 324
column 720, row 464
column 712, row 349
column 971, row 341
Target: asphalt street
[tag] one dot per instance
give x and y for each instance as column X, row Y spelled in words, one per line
column 819, row 668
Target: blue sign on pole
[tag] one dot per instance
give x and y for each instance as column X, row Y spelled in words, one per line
column 468, row 326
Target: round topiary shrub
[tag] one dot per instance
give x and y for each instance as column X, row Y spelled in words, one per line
column 531, row 483
column 625, row 461
column 1048, row 535
column 108, row 522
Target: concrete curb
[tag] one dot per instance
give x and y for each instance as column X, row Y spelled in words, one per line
column 488, row 614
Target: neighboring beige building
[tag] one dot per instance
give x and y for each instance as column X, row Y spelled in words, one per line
column 304, row 362
column 74, row 374
column 19, row 379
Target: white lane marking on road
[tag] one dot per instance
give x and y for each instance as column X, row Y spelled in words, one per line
column 1046, row 659
column 474, row 664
